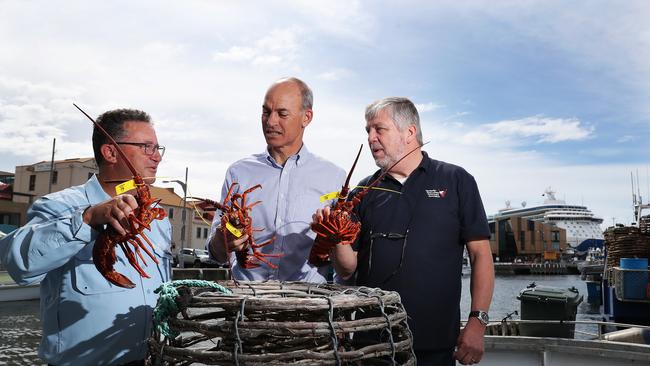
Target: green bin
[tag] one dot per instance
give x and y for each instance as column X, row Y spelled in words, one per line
column 548, row 303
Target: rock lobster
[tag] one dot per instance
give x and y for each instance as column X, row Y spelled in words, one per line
column 104, row 255
column 236, row 221
column 341, row 226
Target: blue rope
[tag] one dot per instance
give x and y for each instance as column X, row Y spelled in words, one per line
column 167, row 306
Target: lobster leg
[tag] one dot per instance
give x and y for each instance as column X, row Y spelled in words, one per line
column 144, row 247
column 130, row 255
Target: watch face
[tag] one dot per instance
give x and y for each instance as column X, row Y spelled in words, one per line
column 483, row 317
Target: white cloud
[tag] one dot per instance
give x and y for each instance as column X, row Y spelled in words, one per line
column 625, row 138
column 336, row 74
column 543, row 129
column 427, row 107
column 235, row 54
column 279, row 46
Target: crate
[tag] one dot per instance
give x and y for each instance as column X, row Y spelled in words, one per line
column 630, row 284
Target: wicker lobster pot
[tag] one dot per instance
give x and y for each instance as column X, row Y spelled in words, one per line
column 275, row 323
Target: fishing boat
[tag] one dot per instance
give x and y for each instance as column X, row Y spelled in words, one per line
column 622, row 338
column 13, row 292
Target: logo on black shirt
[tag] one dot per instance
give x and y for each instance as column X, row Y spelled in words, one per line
column 434, row 193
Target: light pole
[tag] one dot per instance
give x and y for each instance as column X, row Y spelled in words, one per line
column 181, row 260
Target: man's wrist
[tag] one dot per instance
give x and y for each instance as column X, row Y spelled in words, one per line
column 481, row 315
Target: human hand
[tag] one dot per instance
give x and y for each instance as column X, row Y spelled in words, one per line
column 470, row 347
column 233, row 243
column 322, row 214
column 114, row 212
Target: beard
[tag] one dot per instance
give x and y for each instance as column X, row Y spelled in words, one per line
column 391, row 158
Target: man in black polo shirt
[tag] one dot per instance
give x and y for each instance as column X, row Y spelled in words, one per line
column 413, row 231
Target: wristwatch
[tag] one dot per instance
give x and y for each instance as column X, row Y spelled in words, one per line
column 482, row 316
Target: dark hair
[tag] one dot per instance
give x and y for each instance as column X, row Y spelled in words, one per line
column 113, row 123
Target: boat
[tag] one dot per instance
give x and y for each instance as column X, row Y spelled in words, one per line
column 545, row 351
column 622, row 338
column 13, row 292
column 582, row 227
column 545, row 335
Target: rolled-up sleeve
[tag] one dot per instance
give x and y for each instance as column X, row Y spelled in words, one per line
column 55, row 232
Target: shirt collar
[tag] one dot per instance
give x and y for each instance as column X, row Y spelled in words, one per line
column 425, row 165
column 94, row 191
column 301, row 157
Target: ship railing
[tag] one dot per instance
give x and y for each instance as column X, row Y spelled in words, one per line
column 511, row 327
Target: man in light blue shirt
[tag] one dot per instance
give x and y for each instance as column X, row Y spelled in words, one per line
column 85, row 319
column 293, row 180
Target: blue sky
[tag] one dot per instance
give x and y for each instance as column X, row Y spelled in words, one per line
column 524, row 95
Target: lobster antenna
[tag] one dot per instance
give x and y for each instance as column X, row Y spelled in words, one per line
column 343, row 195
column 347, row 180
column 110, row 138
column 383, row 174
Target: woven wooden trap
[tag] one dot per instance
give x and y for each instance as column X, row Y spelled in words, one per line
column 273, row 323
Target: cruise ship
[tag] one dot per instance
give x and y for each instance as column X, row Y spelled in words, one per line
column 582, row 226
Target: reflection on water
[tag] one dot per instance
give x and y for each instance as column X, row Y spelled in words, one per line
column 20, row 324
column 20, row 333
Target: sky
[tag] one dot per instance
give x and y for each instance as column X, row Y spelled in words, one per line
column 524, row 95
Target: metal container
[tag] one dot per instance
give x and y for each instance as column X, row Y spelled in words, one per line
column 548, row 303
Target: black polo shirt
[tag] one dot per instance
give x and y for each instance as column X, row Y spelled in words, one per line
column 412, row 239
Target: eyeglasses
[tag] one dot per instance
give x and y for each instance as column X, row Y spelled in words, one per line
column 389, row 236
column 149, row 149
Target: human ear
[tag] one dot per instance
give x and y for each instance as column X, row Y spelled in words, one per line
column 108, row 153
column 309, row 114
column 412, row 132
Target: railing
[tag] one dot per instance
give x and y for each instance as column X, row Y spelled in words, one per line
column 504, row 326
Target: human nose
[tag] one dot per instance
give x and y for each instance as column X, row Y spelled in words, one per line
column 372, row 136
column 156, row 156
column 270, row 119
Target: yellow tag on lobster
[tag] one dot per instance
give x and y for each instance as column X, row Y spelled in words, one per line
column 329, row 196
column 233, row 230
column 125, row 187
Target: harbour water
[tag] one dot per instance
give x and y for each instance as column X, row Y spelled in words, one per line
column 20, row 324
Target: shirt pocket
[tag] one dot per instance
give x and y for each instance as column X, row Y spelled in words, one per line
column 86, row 277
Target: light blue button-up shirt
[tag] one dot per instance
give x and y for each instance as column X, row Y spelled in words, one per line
column 290, row 195
column 85, row 319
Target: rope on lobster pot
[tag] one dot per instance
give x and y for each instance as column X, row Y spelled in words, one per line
column 239, row 349
column 167, row 306
column 388, row 327
column 408, row 329
column 330, row 320
column 282, row 293
column 252, row 289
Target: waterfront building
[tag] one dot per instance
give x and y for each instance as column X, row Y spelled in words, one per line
column 544, row 232
column 30, row 182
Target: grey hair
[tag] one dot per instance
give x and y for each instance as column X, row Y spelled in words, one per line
column 402, row 111
column 305, row 92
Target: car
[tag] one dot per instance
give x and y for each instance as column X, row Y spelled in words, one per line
column 193, row 257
